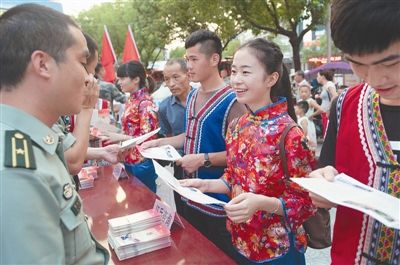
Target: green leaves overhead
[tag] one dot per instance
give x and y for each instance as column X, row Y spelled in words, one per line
column 156, row 23
column 149, row 28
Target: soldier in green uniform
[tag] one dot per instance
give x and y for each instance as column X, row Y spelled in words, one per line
column 42, row 77
column 76, row 144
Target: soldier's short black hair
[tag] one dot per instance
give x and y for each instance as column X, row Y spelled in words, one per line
column 209, row 41
column 365, row 26
column 27, row 28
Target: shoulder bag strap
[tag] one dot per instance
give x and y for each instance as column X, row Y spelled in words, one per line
column 282, row 149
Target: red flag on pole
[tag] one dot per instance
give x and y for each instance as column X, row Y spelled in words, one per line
column 130, row 50
column 108, row 58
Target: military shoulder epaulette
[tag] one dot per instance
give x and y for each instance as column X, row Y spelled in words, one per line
column 18, row 150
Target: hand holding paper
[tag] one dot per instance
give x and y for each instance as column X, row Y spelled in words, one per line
column 351, row 193
column 165, row 152
column 190, row 193
column 138, row 140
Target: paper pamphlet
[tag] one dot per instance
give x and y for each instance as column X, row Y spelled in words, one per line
column 351, row 193
column 165, row 152
column 152, row 233
column 190, row 193
column 138, row 140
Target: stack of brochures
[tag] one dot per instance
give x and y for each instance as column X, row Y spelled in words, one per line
column 86, row 176
column 138, row 233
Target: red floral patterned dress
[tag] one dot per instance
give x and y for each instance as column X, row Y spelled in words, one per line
column 254, row 166
column 140, row 117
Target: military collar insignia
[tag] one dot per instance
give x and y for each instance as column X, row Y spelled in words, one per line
column 68, row 191
column 48, row 139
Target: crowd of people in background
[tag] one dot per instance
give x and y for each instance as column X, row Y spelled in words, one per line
column 229, row 124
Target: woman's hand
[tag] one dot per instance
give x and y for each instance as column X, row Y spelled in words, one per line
column 199, row 184
column 329, row 174
column 151, row 143
column 112, row 137
column 242, row 208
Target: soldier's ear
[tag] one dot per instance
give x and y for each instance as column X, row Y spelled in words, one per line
column 42, row 63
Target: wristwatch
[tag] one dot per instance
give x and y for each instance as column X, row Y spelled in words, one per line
column 207, row 162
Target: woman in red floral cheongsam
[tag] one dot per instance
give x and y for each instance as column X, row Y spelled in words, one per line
column 266, row 211
column 139, row 117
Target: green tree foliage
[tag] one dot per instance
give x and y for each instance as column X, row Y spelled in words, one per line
column 149, row 28
column 291, row 18
column 188, row 16
column 157, row 22
column 231, row 48
column 178, row 52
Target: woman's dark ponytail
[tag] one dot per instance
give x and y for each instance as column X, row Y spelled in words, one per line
column 282, row 88
column 151, row 84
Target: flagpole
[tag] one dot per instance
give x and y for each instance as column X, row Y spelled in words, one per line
column 110, row 43
column 133, row 40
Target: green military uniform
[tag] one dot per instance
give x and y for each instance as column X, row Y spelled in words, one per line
column 61, row 128
column 41, row 220
column 110, row 92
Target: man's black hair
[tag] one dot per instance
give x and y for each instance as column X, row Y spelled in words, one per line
column 92, row 47
column 27, row 28
column 365, row 26
column 210, row 42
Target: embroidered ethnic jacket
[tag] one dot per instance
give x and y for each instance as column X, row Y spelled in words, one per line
column 205, row 133
column 140, row 117
column 254, row 165
column 358, row 238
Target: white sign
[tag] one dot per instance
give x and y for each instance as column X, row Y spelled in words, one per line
column 168, row 215
column 119, row 171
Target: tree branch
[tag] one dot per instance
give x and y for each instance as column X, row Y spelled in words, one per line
column 231, row 38
column 292, row 24
column 307, row 29
column 257, row 25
